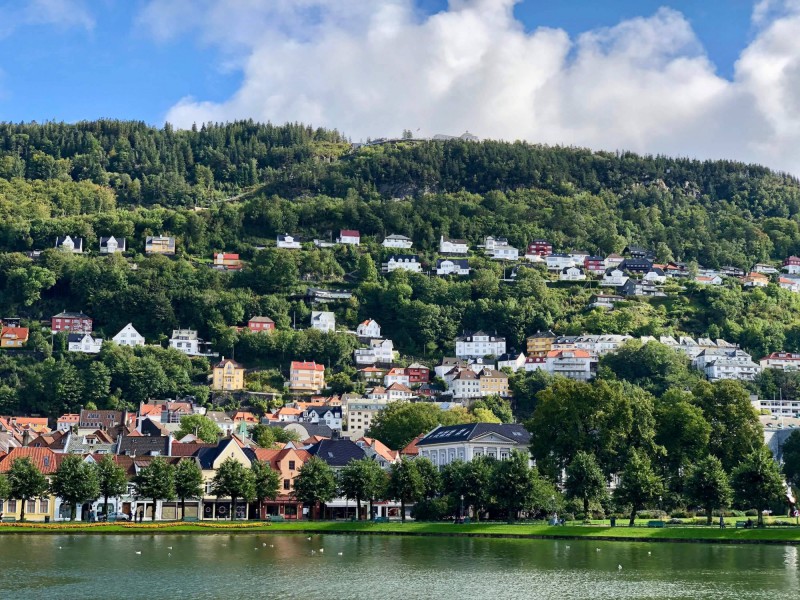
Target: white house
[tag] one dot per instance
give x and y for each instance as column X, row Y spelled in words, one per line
column 604, row 301
column 575, row 364
column 559, row 261
column 446, row 444
column 708, row 280
column 793, row 285
column 452, row 266
column 324, row 415
column 448, row 246
column 792, row 265
column 499, row 249
column 83, row 342
column 368, row 329
column 614, row 277
column 655, row 275
column 783, row 361
column 349, row 236
column 323, row 320
column 399, row 391
column 396, row 375
column 70, row 244
column 112, row 245
column 128, row 336
column 379, row 351
column 397, row 241
column 572, row 274
column 186, row 341
column 513, row 360
column 479, row 344
column 765, row 269
column 777, row 407
column 288, row 242
column 732, row 368
column 406, row 262
column 464, row 384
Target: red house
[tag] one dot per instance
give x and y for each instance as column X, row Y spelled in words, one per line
column 259, row 324
column 73, row 322
column 540, row 247
column 418, row 373
column 229, row 262
column 595, row 264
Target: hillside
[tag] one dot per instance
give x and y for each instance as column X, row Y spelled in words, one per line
column 234, row 187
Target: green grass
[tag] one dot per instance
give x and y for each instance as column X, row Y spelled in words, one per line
column 771, row 534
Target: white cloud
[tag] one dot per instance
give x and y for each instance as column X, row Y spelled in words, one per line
column 60, row 13
column 375, row 68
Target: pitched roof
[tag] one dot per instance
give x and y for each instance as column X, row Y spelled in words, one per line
column 261, row 320
column 227, row 361
column 16, row 333
column 189, row 449
column 144, row 445
column 45, row 459
column 306, row 366
column 349, row 233
column 469, row 431
column 337, row 453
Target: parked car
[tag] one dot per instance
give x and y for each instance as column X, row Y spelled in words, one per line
column 116, row 516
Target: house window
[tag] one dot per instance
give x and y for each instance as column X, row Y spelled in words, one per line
column 287, row 484
column 30, row 506
column 12, row 506
column 291, row 465
column 44, row 505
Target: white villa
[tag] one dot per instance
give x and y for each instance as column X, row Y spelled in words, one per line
column 128, row 336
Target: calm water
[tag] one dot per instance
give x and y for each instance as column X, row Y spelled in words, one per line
column 246, row 566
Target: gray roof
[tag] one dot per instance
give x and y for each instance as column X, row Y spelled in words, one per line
column 144, row 445
column 337, row 453
column 464, row 433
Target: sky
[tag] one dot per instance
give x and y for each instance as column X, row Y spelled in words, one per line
column 697, row 78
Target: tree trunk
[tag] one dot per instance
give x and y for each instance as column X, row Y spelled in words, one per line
column 233, row 507
column 371, row 510
column 760, row 517
column 586, row 507
column 105, row 506
column 73, row 509
column 22, row 509
column 183, row 508
column 154, row 509
column 402, row 510
column 358, row 509
column 708, row 515
column 632, row 521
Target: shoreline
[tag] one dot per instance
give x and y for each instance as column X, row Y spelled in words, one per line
column 682, row 535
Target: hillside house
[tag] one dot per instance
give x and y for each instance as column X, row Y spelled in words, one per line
column 539, row 248
column 368, row 329
column 397, row 241
column 259, row 324
column 228, row 375
column 71, row 322
column 112, row 245
column 572, row 274
column 349, row 237
column 594, row 265
column 452, row 267
column 479, row 344
column 288, row 242
column 83, row 342
column 13, row 337
column 559, row 261
column 406, row 262
column 186, row 341
column 70, row 243
column 453, row 246
column 323, row 321
column 159, row 244
column 306, row 377
column 227, row 262
column 128, row 336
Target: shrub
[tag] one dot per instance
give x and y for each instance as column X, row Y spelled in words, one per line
column 651, row 514
column 751, row 512
column 568, row 517
column 675, row 521
column 431, row 510
column 681, row 514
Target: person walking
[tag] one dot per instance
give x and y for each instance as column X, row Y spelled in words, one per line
column 721, row 522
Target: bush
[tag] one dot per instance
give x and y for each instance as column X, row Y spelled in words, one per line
column 752, row 512
column 675, row 521
column 568, row 517
column 681, row 514
column 581, row 516
column 431, row 510
column 651, row 514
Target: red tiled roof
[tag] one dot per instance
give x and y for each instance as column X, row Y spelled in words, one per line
column 45, row 459
column 349, row 233
column 16, row 333
column 577, row 353
column 189, row 448
column 306, row 366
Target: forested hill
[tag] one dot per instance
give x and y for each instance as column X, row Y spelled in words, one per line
column 715, row 212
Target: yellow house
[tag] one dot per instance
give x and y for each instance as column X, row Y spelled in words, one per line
column 210, row 460
column 306, row 377
column 228, row 375
column 159, row 244
column 36, row 509
column 540, row 343
column 493, row 383
column 13, row 337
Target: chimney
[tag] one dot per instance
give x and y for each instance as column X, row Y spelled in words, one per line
column 27, row 438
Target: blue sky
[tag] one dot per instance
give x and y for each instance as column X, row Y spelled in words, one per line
column 117, row 69
column 697, row 78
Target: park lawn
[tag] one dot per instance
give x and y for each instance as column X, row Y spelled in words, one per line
column 521, row 530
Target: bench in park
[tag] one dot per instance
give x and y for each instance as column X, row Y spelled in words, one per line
column 656, row 523
column 9, row 519
column 276, row 519
column 190, row 519
column 380, row 520
column 741, row 524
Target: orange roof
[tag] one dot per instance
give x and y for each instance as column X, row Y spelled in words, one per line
column 245, row 416
column 398, row 387
column 411, row 449
column 70, row 418
column 15, row 333
column 396, row 371
column 227, row 256
column 380, row 448
column 270, row 417
column 150, row 409
column 371, row 370
column 298, row 365
column 313, row 440
column 45, row 459
column 288, row 410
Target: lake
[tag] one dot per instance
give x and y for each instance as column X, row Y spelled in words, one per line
column 233, row 566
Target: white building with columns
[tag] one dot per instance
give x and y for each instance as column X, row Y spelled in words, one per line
column 444, row 445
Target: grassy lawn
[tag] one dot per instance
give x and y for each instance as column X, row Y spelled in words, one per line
column 599, row 532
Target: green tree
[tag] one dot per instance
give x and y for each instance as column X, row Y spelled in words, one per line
column 401, row 422
column 513, row 483
column 315, row 484
column 362, row 480
column 682, row 430
column 111, row 479
column 406, row 484
column 199, row 425
column 757, row 481
column 707, row 486
column 585, row 480
column 75, row 482
column 266, row 482
column 5, row 488
column 791, row 458
column 188, row 482
column 639, row 485
column 156, row 481
column 233, row 480
column 25, row 482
